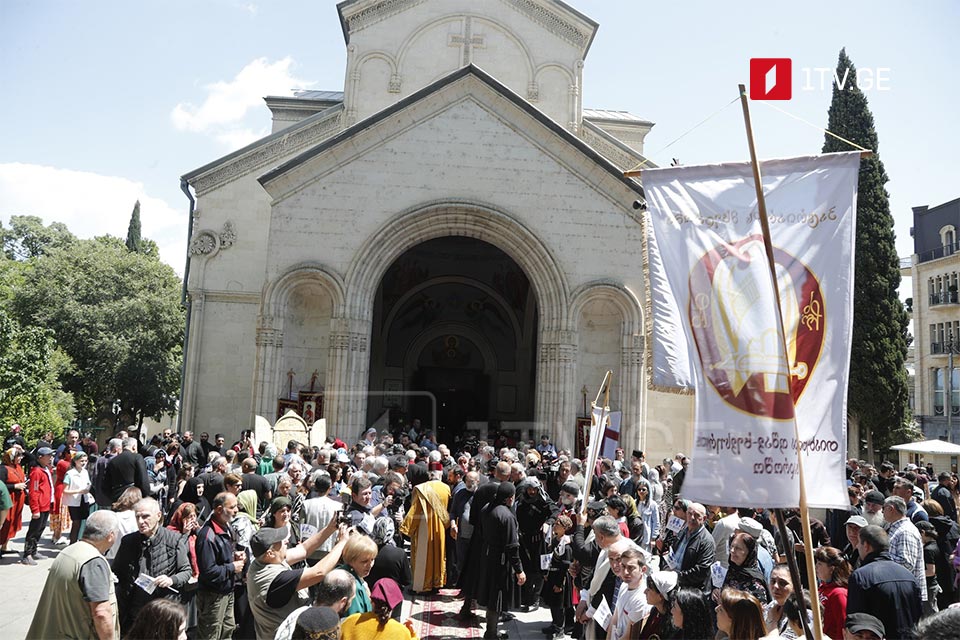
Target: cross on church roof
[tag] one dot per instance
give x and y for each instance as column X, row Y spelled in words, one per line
column 467, row 41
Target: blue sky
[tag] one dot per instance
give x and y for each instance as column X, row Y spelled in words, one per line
column 106, row 102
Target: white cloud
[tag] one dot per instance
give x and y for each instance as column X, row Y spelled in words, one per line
column 237, row 138
column 91, row 205
column 227, row 104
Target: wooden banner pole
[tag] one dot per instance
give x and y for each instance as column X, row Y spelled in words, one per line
column 804, row 512
column 589, row 471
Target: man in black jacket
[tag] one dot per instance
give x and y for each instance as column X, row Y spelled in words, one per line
column 128, row 469
column 883, row 588
column 220, row 562
column 944, row 496
column 98, row 474
column 151, row 563
column 695, row 552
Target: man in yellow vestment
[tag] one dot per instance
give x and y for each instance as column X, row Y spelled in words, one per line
column 426, row 525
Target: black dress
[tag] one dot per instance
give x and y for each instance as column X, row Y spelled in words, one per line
column 473, row 569
column 532, row 513
column 501, row 563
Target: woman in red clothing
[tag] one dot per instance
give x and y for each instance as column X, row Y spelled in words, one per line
column 13, row 475
column 59, row 515
column 184, row 521
column 833, row 572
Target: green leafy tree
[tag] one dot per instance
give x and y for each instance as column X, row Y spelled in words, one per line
column 28, row 238
column 117, row 314
column 134, row 240
column 30, row 392
column 877, row 399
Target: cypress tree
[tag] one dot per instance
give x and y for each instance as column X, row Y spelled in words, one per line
column 877, row 388
column 134, row 242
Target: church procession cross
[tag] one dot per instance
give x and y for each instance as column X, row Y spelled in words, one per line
column 467, row 41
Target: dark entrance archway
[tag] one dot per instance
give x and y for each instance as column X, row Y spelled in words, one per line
column 454, row 340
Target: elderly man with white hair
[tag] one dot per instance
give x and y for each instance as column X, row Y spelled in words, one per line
column 695, row 551
column 78, row 599
column 154, row 551
column 906, row 544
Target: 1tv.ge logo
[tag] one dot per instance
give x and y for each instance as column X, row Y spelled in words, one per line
column 772, row 78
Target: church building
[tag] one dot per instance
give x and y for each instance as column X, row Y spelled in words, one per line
column 450, row 238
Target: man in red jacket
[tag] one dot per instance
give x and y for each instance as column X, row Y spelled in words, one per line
column 41, row 497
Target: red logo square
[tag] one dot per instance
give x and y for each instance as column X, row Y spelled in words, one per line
column 771, row 78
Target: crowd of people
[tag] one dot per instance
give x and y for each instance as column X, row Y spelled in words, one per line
column 184, row 538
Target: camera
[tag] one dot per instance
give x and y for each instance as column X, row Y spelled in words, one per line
column 343, row 518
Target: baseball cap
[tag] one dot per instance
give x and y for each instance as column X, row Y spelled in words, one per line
column 596, row 505
column 44, row 451
column 874, row 497
column 858, row 521
column 864, row 622
column 265, row 538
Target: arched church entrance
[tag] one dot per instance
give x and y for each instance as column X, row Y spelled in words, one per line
column 454, row 341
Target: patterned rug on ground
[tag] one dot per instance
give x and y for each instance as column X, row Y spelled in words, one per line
column 434, row 617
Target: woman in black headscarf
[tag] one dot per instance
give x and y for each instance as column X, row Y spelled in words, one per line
column 744, row 572
column 536, row 513
column 193, row 493
column 502, row 564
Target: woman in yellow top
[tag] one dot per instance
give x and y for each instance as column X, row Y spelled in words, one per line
column 378, row 625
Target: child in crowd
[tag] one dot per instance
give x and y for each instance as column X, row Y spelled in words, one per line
column 557, row 588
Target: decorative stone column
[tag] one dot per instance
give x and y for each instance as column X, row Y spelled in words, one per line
column 188, row 403
column 348, row 366
column 631, row 387
column 556, row 381
column 267, row 384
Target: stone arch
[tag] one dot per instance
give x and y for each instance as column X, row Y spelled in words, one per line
column 432, row 333
column 625, row 300
column 490, row 291
column 382, row 55
column 557, row 67
column 555, row 403
column 415, row 35
column 471, row 220
column 270, row 328
column 630, row 382
column 277, row 292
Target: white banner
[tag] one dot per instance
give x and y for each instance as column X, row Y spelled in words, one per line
column 611, row 435
column 715, row 326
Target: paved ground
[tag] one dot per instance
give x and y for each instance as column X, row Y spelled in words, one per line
column 433, row 616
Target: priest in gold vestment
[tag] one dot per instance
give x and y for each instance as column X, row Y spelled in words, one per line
column 426, row 525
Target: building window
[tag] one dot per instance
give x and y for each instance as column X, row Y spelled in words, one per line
column 938, row 392
column 948, row 238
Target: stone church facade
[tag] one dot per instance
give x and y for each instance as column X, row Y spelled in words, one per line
column 451, row 237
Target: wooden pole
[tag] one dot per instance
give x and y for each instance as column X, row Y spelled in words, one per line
column 804, row 512
column 588, row 475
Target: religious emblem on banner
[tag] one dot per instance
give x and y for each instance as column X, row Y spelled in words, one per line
column 740, row 355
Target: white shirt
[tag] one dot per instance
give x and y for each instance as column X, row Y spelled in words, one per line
column 77, row 480
column 632, row 607
column 317, row 514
